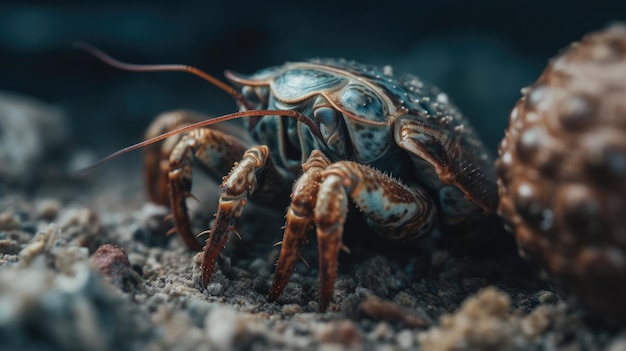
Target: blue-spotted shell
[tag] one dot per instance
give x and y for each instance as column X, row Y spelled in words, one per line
column 446, row 156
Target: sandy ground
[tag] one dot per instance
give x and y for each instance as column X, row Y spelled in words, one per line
column 84, row 265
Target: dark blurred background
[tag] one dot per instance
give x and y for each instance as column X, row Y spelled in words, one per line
column 480, row 52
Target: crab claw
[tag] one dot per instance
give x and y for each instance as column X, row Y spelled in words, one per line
column 214, row 245
column 179, row 186
column 294, row 238
column 330, row 215
column 236, row 187
column 299, row 220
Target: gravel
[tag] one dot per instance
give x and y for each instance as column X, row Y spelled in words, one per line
column 85, row 265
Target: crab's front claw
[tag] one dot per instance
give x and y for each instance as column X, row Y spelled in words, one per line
column 295, row 237
column 330, row 215
column 240, row 183
column 223, row 227
column 156, row 155
column 180, row 187
column 299, row 220
column 393, row 209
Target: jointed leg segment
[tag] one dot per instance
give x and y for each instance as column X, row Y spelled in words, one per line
column 156, row 156
column 236, row 187
column 391, row 208
column 319, row 198
column 217, row 151
column 299, row 220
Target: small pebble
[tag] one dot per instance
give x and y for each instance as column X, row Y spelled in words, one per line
column 547, row 297
column 405, row 339
column 291, row 309
column 112, row 262
column 382, row 331
column 224, row 328
column 344, row 332
column 48, row 209
column 214, row 289
column 9, row 221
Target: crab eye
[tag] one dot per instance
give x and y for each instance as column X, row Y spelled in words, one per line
column 325, row 115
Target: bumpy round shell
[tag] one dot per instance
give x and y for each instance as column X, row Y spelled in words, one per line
column 562, row 171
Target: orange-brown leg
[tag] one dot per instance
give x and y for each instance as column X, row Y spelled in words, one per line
column 321, row 197
column 299, row 220
column 217, row 151
column 156, row 156
column 255, row 171
column 392, row 209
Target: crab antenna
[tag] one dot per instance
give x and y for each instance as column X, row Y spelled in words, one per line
column 251, row 113
column 104, row 57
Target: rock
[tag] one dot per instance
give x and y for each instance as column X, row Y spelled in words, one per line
column 29, row 131
column 48, row 209
column 485, row 322
column 43, row 310
column 112, row 262
column 345, row 333
column 226, row 328
column 9, row 221
column 380, row 310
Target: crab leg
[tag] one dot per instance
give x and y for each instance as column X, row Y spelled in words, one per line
column 299, row 220
column 243, row 180
column 156, row 165
column 391, row 208
column 217, row 151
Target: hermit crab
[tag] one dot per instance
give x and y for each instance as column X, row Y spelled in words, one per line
column 333, row 133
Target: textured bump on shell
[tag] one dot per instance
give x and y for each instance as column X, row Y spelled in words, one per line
column 562, row 171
